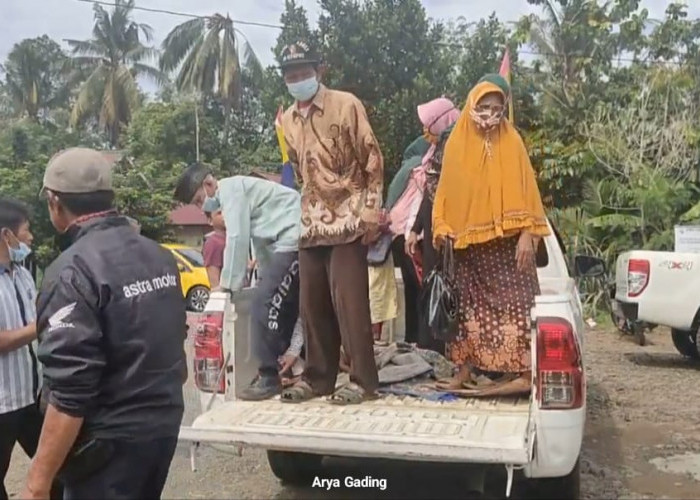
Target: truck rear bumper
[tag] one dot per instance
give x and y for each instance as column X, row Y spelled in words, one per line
column 558, row 443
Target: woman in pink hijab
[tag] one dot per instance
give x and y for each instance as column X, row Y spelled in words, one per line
column 436, row 116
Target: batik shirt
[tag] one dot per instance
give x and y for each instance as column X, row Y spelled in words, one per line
column 338, row 160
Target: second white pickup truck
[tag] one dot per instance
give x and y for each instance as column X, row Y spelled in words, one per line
column 662, row 288
column 540, row 435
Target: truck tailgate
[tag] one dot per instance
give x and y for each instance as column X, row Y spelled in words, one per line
column 481, row 431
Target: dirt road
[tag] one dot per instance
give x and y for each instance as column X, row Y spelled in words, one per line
column 642, row 440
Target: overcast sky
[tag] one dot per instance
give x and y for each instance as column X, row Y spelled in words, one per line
column 61, row 19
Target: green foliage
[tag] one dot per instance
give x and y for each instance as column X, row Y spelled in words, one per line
column 387, row 53
column 144, row 192
column 562, row 168
column 25, row 149
column 161, row 142
column 165, row 132
column 295, row 27
column 476, row 48
column 35, row 77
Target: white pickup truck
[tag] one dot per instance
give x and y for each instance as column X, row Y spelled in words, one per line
column 539, row 435
column 662, row 288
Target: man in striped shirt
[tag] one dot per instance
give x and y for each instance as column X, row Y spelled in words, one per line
column 20, row 419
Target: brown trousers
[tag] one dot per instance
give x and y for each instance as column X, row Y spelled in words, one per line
column 334, row 304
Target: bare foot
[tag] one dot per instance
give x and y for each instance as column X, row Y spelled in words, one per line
column 377, row 331
column 290, row 381
column 462, row 376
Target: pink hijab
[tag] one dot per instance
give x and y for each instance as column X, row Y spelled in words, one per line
column 436, row 116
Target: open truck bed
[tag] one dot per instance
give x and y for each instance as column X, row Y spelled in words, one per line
column 540, row 434
column 399, row 427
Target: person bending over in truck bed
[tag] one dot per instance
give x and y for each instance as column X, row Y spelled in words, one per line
column 488, row 204
column 268, row 214
column 213, row 250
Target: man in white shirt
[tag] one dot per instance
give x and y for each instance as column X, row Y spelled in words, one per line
column 20, row 419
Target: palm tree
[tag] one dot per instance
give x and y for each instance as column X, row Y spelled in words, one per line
column 114, row 58
column 206, row 52
column 34, row 77
column 565, row 37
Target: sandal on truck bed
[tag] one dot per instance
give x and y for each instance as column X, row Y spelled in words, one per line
column 350, row 394
column 298, row 393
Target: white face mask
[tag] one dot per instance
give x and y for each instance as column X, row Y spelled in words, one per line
column 304, row 90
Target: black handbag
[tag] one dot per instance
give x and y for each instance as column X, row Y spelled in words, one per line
column 440, row 296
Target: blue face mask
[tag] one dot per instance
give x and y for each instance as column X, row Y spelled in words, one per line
column 305, row 90
column 17, row 255
column 20, row 253
column 211, row 204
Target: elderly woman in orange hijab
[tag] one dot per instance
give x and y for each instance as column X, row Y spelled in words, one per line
column 488, row 205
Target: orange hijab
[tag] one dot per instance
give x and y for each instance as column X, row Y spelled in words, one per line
column 484, row 192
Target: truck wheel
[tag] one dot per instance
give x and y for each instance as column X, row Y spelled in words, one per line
column 294, row 468
column 686, row 343
column 567, row 487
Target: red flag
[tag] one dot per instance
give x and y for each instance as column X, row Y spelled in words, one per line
column 278, row 117
column 504, row 71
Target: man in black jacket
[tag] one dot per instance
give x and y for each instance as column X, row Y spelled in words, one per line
column 111, row 325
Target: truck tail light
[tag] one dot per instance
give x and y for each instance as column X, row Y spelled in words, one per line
column 560, row 380
column 638, row 271
column 209, row 353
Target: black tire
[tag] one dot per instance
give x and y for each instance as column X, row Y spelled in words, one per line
column 686, row 343
column 294, row 468
column 197, row 298
column 562, row 488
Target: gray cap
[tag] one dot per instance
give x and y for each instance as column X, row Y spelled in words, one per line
column 78, row 170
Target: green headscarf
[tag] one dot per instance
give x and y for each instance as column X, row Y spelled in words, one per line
column 497, row 80
column 413, row 157
column 417, row 148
